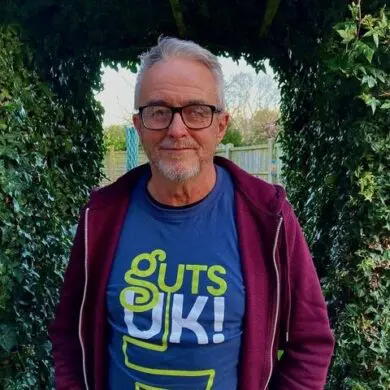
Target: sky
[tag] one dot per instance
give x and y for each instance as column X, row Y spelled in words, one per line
column 117, row 94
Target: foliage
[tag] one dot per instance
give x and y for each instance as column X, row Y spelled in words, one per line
column 366, row 37
column 264, row 125
column 232, row 136
column 252, row 101
column 249, row 92
column 258, row 127
column 115, row 138
column 337, row 170
column 49, row 159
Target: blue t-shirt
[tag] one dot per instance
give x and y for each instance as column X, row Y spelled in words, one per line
column 176, row 296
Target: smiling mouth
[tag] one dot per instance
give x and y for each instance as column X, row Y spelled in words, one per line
column 176, row 149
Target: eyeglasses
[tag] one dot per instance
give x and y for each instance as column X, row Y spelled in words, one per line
column 194, row 116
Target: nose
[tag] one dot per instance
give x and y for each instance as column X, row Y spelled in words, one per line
column 177, row 129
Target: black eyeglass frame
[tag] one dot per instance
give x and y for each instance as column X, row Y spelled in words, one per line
column 174, row 110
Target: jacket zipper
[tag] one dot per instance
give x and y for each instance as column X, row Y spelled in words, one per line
column 85, row 291
column 83, row 300
column 277, row 300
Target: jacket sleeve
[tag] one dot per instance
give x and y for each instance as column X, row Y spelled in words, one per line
column 63, row 331
column 308, row 352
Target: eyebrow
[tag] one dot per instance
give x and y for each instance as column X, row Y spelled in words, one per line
column 157, row 102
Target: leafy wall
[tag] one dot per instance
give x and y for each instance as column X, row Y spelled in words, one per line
column 337, row 168
column 49, row 159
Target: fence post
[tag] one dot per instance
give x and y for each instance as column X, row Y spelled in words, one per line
column 131, row 147
column 279, row 154
column 270, row 162
column 227, row 150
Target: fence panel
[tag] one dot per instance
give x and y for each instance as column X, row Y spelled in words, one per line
column 255, row 159
column 114, row 166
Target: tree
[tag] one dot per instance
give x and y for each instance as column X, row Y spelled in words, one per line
column 264, row 125
column 233, row 136
column 252, row 101
column 115, row 138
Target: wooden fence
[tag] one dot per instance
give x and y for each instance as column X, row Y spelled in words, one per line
column 260, row 160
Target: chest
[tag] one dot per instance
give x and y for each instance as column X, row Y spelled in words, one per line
column 179, row 269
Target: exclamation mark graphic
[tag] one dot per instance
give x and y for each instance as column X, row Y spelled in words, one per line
column 219, row 314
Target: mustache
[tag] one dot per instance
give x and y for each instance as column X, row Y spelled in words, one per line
column 175, row 144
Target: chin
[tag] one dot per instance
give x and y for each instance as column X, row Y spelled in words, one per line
column 178, row 172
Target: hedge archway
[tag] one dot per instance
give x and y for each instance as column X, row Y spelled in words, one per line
column 333, row 63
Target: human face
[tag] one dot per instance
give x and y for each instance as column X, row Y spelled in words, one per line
column 178, row 153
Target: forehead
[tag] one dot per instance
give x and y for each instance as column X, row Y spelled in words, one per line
column 178, row 81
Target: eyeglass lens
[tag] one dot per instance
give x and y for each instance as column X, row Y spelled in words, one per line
column 195, row 116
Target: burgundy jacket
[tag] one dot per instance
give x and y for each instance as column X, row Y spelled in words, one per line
column 285, row 308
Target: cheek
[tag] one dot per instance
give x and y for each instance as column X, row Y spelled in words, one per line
column 214, row 137
column 208, row 141
column 150, row 139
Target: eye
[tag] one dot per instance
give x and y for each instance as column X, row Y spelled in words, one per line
column 160, row 112
column 198, row 111
column 156, row 112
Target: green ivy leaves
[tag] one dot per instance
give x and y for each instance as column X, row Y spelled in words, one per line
column 50, row 155
column 337, row 170
column 367, row 43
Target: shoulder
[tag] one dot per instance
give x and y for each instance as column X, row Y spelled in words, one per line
column 118, row 190
column 270, row 198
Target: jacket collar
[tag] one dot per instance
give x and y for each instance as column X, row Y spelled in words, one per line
column 263, row 196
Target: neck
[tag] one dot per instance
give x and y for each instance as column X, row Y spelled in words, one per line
column 176, row 194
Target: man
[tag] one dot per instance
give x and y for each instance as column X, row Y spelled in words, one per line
column 188, row 273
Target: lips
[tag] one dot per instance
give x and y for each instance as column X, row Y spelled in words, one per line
column 176, row 146
column 176, row 149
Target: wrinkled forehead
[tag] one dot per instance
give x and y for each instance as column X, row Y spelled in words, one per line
column 177, row 82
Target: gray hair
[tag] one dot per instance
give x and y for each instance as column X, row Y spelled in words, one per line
column 168, row 47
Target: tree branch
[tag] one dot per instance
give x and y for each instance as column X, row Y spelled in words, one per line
column 179, row 19
column 269, row 15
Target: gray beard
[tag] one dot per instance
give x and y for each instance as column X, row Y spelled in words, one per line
column 177, row 174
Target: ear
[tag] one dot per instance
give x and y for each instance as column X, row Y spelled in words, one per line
column 137, row 123
column 223, row 122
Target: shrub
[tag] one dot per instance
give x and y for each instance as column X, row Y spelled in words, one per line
column 232, row 136
column 115, row 138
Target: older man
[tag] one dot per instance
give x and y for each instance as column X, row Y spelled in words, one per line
column 188, row 273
